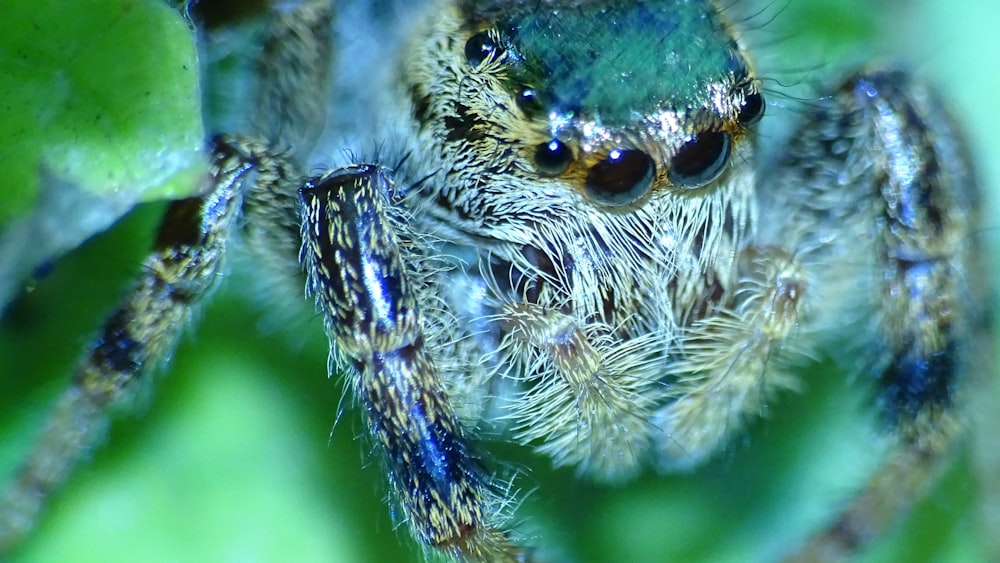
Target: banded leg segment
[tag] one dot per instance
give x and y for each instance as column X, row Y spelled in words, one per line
column 187, row 258
column 914, row 208
column 356, row 266
column 137, row 338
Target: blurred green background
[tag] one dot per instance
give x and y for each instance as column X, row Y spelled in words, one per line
column 231, row 458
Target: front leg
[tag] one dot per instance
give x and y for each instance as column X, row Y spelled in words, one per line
column 357, row 269
column 878, row 198
column 140, row 335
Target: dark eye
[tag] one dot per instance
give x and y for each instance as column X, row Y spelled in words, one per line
column 700, row 160
column 527, row 100
column 481, row 47
column 552, row 158
column 752, row 110
column 621, row 178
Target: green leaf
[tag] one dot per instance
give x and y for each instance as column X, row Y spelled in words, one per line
column 99, row 110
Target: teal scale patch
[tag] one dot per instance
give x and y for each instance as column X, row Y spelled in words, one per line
column 616, row 62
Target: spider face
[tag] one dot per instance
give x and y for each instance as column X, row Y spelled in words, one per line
column 568, row 240
column 583, row 102
column 609, row 210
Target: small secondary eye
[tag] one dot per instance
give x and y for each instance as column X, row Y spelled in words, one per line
column 552, row 158
column 621, row 178
column 752, row 110
column 700, row 160
column 481, row 47
column 527, row 100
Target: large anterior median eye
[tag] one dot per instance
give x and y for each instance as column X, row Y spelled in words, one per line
column 621, row 178
column 700, row 160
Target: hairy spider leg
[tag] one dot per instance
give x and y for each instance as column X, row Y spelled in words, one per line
column 187, row 257
column 357, row 271
column 138, row 337
column 912, row 259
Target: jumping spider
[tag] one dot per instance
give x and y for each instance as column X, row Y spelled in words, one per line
column 597, row 268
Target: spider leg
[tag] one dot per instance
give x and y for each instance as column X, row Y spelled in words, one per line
column 357, row 270
column 187, row 257
column 901, row 230
column 136, row 339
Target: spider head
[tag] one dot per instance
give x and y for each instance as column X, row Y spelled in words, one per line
column 619, row 100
